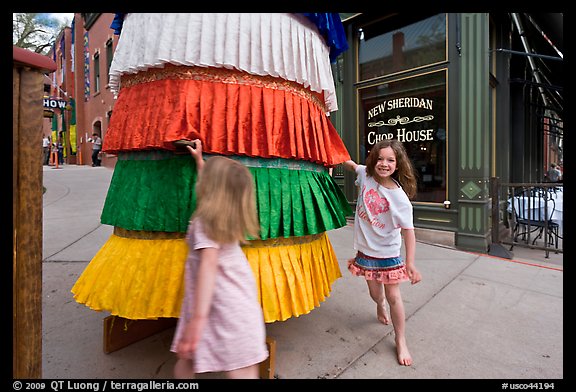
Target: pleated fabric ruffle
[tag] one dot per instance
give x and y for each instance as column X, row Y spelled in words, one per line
column 297, row 203
column 293, row 274
column 233, row 113
column 154, row 191
column 250, row 86
column 284, row 45
column 143, row 278
column 385, row 276
column 135, row 278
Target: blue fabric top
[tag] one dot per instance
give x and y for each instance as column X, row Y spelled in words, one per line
column 117, row 23
column 328, row 23
column 330, row 26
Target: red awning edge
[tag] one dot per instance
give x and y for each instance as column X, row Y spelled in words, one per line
column 31, row 59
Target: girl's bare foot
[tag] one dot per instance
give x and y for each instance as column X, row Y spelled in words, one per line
column 382, row 313
column 404, row 357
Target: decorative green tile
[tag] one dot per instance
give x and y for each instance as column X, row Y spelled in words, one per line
column 471, row 189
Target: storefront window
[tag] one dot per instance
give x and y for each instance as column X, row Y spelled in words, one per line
column 412, row 110
column 384, row 49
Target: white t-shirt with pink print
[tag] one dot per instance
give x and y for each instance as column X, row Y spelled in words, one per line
column 380, row 214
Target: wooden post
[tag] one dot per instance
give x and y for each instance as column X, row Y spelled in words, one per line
column 27, row 116
column 268, row 366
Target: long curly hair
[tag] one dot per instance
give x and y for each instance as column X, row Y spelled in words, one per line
column 404, row 174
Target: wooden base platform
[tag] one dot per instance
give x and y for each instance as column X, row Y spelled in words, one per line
column 120, row 332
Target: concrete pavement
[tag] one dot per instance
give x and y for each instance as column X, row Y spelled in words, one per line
column 473, row 316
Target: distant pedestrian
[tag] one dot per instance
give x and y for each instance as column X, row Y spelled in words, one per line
column 60, row 149
column 96, row 149
column 54, row 153
column 221, row 326
column 46, row 150
column 383, row 217
column 554, row 174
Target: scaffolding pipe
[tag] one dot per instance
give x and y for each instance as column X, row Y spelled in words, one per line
column 543, row 56
column 544, row 35
column 535, row 71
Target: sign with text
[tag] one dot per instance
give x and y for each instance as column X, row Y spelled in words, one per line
column 406, row 125
column 54, row 103
column 412, row 110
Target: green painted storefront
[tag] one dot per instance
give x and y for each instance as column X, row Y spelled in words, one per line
column 437, row 81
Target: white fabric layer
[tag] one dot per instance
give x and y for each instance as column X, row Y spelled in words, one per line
column 283, row 45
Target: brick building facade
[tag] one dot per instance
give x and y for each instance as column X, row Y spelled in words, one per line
column 83, row 54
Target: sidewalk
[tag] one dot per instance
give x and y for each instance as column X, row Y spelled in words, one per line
column 472, row 317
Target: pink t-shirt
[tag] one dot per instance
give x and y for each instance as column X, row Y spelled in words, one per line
column 380, row 214
column 235, row 333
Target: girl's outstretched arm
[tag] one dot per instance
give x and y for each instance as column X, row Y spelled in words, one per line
column 350, row 165
column 196, row 153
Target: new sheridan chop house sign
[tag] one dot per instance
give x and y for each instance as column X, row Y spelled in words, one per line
column 401, row 118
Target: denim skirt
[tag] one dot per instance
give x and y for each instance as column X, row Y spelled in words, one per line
column 387, row 270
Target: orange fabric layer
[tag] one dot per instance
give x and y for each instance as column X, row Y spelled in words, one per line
column 230, row 119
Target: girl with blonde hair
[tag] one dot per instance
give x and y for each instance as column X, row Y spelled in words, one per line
column 221, row 326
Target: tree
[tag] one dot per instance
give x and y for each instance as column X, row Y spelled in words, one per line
column 36, row 32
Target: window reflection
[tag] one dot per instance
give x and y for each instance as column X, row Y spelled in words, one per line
column 384, row 49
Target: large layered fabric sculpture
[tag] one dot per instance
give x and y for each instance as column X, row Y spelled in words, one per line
column 253, row 87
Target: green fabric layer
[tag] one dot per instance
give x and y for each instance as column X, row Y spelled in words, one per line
column 298, row 202
column 151, row 195
column 157, row 195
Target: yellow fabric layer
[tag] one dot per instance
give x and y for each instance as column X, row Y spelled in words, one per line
column 293, row 274
column 142, row 279
column 135, row 278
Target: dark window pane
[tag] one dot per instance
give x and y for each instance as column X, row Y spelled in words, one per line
column 384, row 50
